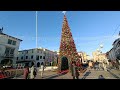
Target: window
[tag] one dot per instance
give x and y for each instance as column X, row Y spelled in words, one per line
column 52, row 57
column 9, row 51
column 40, row 57
column 14, row 43
column 118, row 44
column 26, row 51
column 44, row 53
column 43, row 57
column 22, row 52
column 32, row 50
column 17, row 58
column 26, row 57
column 32, row 57
column 37, row 57
column 22, row 57
column 9, row 41
column 12, row 51
column 37, row 51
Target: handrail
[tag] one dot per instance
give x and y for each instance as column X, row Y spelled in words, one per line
column 8, row 55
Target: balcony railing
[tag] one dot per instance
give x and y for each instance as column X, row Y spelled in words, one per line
column 8, row 55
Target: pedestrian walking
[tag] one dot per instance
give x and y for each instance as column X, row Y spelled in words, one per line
column 104, row 66
column 97, row 65
column 110, row 65
column 26, row 72
column 35, row 72
column 42, row 69
column 32, row 72
column 90, row 65
column 117, row 64
column 74, row 70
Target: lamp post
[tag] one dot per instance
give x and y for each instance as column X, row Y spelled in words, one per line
column 100, row 51
column 101, row 46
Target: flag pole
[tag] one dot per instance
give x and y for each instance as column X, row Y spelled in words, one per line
column 36, row 30
column 119, row 34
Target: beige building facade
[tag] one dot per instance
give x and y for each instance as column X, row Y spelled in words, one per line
column 114, row 54
column 84, row 57
column 9, row 47
column 37, row 56
column 95, row 55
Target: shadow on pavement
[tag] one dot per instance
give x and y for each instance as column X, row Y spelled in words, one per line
column 113, row 74
column 53, row 76
column 86, row 74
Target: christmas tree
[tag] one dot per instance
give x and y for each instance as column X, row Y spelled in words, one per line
column 67, row 50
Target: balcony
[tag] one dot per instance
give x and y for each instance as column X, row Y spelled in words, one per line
column 8, row 55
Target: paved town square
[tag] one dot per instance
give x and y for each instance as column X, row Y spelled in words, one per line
column 59, row 45
column 88, row 74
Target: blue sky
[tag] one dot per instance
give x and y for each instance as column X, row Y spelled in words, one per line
column 89, row 28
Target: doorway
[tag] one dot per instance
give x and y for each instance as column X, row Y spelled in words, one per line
column 64, row 63
column 38, row 64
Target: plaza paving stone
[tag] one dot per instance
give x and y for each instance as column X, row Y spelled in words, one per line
column 89, row 74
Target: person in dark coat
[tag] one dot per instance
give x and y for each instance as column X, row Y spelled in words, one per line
column 35, row 71
column 74, row 71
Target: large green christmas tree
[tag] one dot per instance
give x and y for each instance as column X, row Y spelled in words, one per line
column 67, row 50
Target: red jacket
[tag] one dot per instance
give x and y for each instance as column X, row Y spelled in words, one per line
column 26, row 71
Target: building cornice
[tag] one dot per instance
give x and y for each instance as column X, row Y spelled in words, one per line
column 10, row 36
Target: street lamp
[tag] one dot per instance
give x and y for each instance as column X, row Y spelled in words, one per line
column 101, row 46
column 100, row 50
